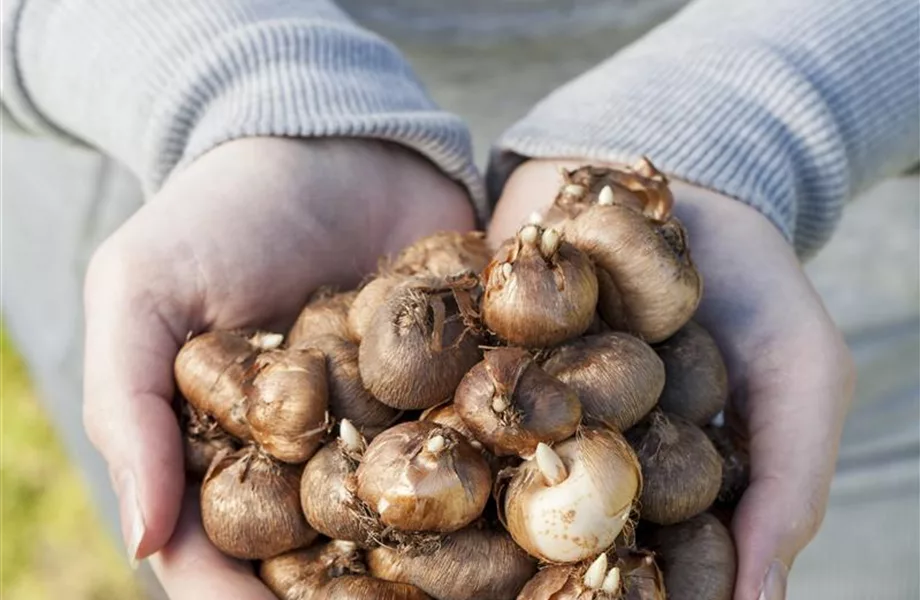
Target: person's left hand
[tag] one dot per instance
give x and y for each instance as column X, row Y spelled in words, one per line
column 791, row 374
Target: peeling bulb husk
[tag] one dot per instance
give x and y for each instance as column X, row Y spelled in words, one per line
column 594, row 576
column 550, row 465
column 612, row 581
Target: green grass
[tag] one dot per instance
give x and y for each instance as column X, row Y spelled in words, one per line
column 52, row 542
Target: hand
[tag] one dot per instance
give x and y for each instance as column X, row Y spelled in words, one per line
column 240, row 238
column 791, row 375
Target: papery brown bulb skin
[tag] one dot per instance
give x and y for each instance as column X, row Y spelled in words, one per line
column 325, row 314
column 443, row 254
column 211, row 372
column 368, row 299
column 362, row 587
column 302, row 574
column 539, row 294
column 616, row 376
column 327, row 494
column 680, row 466
column 203, row 440
column 580, row 516
column 250, row 506
column 419, row 476
column 696, row 386
column 348, row 398
column 648, row 284
column 417, row 347
column 641, row 577
column 697, row 557
column 471, row 564
column 288, row 400
column 511, row 404
column 559, row 582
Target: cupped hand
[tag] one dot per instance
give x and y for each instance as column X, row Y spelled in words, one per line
column 791, row 374
column 239, row 238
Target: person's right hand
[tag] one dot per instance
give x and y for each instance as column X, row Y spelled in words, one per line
column 238, row 239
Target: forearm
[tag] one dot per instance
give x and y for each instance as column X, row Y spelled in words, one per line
column 156, row 83
column 788, row 106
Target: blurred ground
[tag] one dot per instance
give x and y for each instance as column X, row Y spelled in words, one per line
column 52, row 542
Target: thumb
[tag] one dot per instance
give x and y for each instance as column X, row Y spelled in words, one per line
column 128, row 387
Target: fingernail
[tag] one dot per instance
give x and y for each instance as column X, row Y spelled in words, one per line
column 774, row 584
column 132, row 519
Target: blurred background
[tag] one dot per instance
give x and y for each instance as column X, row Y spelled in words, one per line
column 58, row 524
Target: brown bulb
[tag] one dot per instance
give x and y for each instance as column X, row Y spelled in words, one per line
column 616, row 376
column 540, row 290
column 629, row 575
column 302, row 574
column 640, row 186
column 680, row 466
column 641, row 577
column 288, row 400
column 418, row 345
column 203, row 440
column 369, row 298
column 326, row 313
column 328, row 485
column 696, row 386
column 444, row 254
column 211, row 371
column 697, row 558
column 348, row 398
column 419, row 476
column 648, row 284
column 511, row 404
column 250, row 506
column 470, row 564
column 570, row 502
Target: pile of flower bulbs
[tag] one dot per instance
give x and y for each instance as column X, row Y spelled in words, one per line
column 533, row 421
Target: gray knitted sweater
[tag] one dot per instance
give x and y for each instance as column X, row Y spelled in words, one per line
column 791, row 106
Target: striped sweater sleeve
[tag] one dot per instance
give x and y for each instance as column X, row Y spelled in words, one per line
column 791, row 107
column 156, row 83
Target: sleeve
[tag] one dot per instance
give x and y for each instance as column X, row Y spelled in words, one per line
column 156, row 83
column 791, row 107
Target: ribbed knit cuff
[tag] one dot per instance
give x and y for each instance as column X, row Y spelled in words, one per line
column 787, row 106
column 157, row 83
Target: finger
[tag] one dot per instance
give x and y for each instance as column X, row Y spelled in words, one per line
column 128, row 387
column 190, row 567
column 794, row 415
